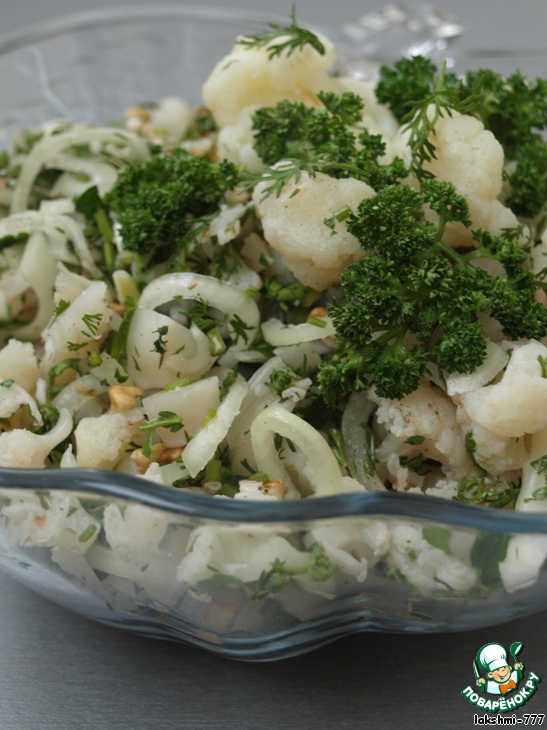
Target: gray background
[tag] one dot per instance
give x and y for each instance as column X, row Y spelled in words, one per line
column 61, row 672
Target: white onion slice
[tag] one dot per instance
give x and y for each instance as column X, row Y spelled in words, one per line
column 202, row 447
column 218, row 294
column 281, row 335
column 496, row 359
column 49, row 147
column 274, row 419
column 357, row 412
column 39, row 269
column 53, row 226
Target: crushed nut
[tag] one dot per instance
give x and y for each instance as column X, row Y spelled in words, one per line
column 161, row 454
column 192, row 285
column 275, row 488
column 82, row 390
column 118, row 308
column 318, row 313
column 138, row 112
column 122, row 397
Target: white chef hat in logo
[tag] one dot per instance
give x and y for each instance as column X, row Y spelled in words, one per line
column 492, row 657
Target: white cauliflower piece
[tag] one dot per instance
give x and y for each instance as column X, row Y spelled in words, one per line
column 18, row 362
column 497, row 454
column 295, row 226
column 101, row 441
column 235, row 141
column 135, row 533
column 471, row 158
column 22, row 449
column 170, row 119
column 443, row 488
column 62, row 523
column 247, row 76
column 236, row 552
column 377, row 118
column 425, row 566
column 13, row 397
column 426, row 412
column 518, row 403
column 355, row 546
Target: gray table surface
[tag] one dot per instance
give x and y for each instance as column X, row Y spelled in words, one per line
column 62, row 672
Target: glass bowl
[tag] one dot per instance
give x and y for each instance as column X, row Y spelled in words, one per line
column 248, row 580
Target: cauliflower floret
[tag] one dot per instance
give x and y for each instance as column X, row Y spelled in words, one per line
column 518, row 403
column 248, row 76
column 236, row 552
column 377, row 118
column 62, row 523
column 471, row 158
column 425, row 566
column 22, row 449
column 101, row 441
column 294, row 225
column 426, row 412
column 354, row 546
column 497, row 454
column 18, row 362
column 235, row 141
column 443, row 488
column 135, row 533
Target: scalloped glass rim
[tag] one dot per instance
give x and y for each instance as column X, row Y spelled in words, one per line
column 122, row 15
column 415, row 506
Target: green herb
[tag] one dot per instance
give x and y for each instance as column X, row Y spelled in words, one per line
column 537, row 494
column 280, row 380
column 69, row 363
column 337, row 447
column 439, row 537
column 92, row 322
column 160, row 344
column 279, row 39
column 415, row 440
column 412, row 283
column 479, row 491
column 60, row 308
column 158, row 202
column 313, row 140
column 227, row 383
column 471, row 447
column 166, row 419
column 488, row 551
column 7, row 383
column 88, row 533
column 414, row 463
column 119, row 342
column 178, row 384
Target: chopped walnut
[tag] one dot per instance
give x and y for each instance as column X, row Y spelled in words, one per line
column 138, row 112
column 318, row 313
column 275, row 488
column 161, row 454
column 118, row 308
column 122, row 397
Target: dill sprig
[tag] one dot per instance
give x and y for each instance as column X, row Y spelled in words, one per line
column 290, row 38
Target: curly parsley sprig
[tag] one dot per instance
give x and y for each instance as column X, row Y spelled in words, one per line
column 413, row 299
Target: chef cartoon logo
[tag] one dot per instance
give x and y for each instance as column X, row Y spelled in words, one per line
column 498, row 676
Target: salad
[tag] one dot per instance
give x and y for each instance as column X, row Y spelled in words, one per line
column 311, row 285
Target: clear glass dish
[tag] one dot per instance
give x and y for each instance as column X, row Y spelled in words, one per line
column 246, row 580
